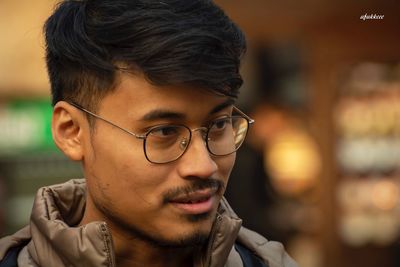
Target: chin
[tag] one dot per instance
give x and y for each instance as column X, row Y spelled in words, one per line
column 194, row 230
column 194, row 239
column 185, row 231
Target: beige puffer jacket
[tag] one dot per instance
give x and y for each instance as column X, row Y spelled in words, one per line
column 53, row 243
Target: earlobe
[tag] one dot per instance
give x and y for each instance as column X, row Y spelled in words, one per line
column 67, row 130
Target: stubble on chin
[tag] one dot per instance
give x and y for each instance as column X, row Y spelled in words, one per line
column 195, row 238
column 199, row 225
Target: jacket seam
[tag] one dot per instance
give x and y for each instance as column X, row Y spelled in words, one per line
column 212, row 239
column 106, row 240
column 45, row 203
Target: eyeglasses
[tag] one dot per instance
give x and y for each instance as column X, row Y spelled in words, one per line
column 167, row 143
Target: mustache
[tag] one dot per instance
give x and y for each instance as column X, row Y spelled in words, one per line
column 196, row 185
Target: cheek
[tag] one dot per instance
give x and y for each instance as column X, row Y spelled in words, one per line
column 225, row 165
column 115, row 156
column 122, row 172
column 132, row 190
column 141, row 181
column 138, row 183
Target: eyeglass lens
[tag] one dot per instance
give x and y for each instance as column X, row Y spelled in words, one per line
column 167, row 143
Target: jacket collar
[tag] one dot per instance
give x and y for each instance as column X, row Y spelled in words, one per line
column 56, row 242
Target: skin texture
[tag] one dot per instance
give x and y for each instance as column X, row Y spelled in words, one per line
column 133, row 195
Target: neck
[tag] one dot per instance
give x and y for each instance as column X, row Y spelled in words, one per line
column 135, row 252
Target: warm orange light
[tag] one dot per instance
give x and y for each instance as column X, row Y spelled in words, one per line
column 385, row 195
column 293, row 161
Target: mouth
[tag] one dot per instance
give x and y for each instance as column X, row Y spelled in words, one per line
column 196, row 203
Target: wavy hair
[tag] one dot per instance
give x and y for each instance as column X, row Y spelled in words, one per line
column 171, row 42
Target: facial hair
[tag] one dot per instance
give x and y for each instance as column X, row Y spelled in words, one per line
column 194, row 239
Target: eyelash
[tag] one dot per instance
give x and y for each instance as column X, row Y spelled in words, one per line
column 148, row 128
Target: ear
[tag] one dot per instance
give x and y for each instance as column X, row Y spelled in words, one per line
column 67, row 125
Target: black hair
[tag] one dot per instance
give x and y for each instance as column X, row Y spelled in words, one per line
column 171, row 42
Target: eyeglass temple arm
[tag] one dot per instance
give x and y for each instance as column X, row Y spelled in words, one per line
column 107, row 121
column 251, row 121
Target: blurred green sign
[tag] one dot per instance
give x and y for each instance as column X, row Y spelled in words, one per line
column 25, row 126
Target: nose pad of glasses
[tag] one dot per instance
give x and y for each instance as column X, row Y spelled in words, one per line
column 183, row 143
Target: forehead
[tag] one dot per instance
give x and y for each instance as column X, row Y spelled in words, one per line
column 134, row 95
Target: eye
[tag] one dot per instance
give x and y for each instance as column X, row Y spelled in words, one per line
column 220, row 124
column 165, row 131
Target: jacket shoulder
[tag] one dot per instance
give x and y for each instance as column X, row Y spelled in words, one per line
column 11, row 245
column 11, row 257
column 273, row 253
column 249, row 259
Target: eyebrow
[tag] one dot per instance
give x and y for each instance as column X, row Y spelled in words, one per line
column 158, row 114
column 223, row 105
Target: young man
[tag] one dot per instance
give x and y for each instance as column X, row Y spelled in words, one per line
column 143, row 95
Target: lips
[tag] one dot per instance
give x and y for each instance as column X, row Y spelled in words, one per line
column 195, row 203
column 197, row 196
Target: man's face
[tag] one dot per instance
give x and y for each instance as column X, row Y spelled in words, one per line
column 167, row 204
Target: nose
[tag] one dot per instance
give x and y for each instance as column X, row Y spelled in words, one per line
column 197, row 161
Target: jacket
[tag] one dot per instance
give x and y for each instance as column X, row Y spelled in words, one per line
column 50, row 241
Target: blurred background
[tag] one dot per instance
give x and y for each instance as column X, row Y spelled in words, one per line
column 320, row 171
